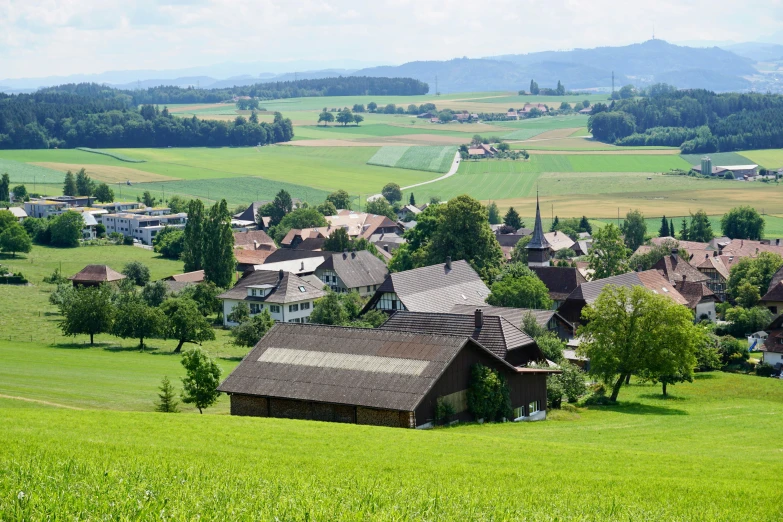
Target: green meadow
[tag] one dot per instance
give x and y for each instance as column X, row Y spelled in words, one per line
column 433, row 159
column 684, row 458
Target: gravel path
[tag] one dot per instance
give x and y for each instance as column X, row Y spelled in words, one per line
column 451, row 172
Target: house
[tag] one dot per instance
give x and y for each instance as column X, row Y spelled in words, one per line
column 528, row 108
column 96, row 275
column 512, row 115
column 475, row 152
column 179, row 282
column 408, row 212
column 296, row 236
column 252, row 240
column 701, row 300
column 548, row 319
column 387, row 242
column 427, row 114
column 360, row 272
column 299, row 262
column 18, row 213
column 369, row 376
column 756, row 340
column 558, row 241
column 249, row 259
column 54, row 206
column 356, row 224
column 588, row 292
column 250, row 213
column 493, row 332
column 120, row 206
column 773, row 299
column 435, row 288
column 586, row 110
column 561, row 281
column 582, row 247
column 285, row 296
column 143, row 226
column 773, row 346
column 717, row 272
column 676, row 269
column 509, row 241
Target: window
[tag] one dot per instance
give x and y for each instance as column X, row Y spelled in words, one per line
column 293, row 308
column 302, row 289
column 389, row 301
column 256, row 308
column 368, row 288
column 532, row 408
column 305, row 306
column 275, row 309
column 519, row 412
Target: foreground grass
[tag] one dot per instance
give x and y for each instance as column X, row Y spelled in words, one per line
column 648, row 459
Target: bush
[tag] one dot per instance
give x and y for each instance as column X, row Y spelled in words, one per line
column 573, row 381
column 765, row 370
column 127, row 240
column 137, row 272
column 443, row 411
column 554, row 392
column 488, row 394
column 56, row 278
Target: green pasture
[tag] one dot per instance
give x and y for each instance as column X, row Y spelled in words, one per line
column 433, row 159
column 769, row 158
column 518, row 101
column 646, row 459
column 20, row 172
column 718, row 158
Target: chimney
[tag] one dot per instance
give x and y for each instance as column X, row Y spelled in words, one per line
column 674, row 252
column 280, row 275
column 684, row 277
column 353, row 255
column 301, row 269
column 345, row 254
column 714, row 254
column 255, row 245
column 479, row 318
column 448, row 262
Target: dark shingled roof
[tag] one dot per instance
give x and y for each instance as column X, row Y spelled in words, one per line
column 496, row 333
column 435, row 288
column 287, row 290
column 290, row 254
column 695, row 292
column 512, row 315
column 674, row 268
column 775, row 293
column 373, row 368
column 356, row 268
column 96, row 274
column 650, row 279
column 245, row 239
column 777, row 279
column 559, row 280
column 775, row 331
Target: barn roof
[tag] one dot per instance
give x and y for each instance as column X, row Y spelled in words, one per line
column 96, row 274
column 288, row 288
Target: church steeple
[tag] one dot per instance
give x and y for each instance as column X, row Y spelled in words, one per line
column 538, row 247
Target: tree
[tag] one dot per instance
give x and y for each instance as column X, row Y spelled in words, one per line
column 329, row 310
column 178, row 204
column 148, row 199
column 664, row 230
column 636, row 332
column 512, row 219
column 488, row 394
column 137, row 272
column 742, row 223
column 219, row 262
column 327, row 208
column 392, row 193
column 357, row 119
column 193, row 246
column 758, row 271
column 358, row 107
column 89, row 311
column 340, row 199
column 555, row 224
column 185, row 323
column 69, row 186
column 202, row 377
column 585, row 226
column 684, row 236
column 66, row 229
column 251, row 331
column 326, row 117
column 560, row 89
column 281, row 205
column 154, row 293
column 205, row 297
column 627, row 91
column 533, row 87
column 167, row 403
column 634, row 229
column 380, row 207
column 84, row 185
column 609, row 256
column 701, row 229
column 14, row 239
column 299, row 219
column 103, row 193
column 518, row 287
column 338, row 241
column 135, row 319
column 372, row 106
column 20, row 193
column 748, row 295
column 671, row 228
column 572, row 381
column 7, row 219
column 169, row 242
column 412, row 200
column 345, row 116
column 551, row 346
column 493, row 214
column 5, row 183
column 239, row 313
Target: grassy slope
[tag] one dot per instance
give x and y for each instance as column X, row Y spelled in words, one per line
column 647, row 459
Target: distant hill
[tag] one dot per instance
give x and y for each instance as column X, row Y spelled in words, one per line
column 641, row 64
column 757, row 51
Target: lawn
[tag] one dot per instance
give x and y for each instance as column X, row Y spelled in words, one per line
column 432, row 159
column 647, row 459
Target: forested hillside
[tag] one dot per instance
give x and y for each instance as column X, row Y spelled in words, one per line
column 101, row 117
column 340, row 86
column 695, row 120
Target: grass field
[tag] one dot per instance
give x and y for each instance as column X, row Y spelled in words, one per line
column 645, row 459
column 20, row 172
column 432, row 159
column 770, row 158
column 718, row 158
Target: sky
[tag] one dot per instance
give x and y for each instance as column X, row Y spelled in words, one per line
column 61, row 37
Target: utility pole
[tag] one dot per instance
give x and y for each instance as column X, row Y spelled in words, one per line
column 612, row 82
column 436, row 86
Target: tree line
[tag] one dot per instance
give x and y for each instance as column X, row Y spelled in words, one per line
column 695, row 120
column 97, row 118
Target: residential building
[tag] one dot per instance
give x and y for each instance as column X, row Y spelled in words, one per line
column 356, row 224
column 360, row 272
column 676, row 269
column 387, row 242
column 701, row 300
column 773, row 298
column 773, row 346
column 299, row 262
column 121, row 206
column 435, row 288
column 493, row 332
column 54, row 206
column 249, row 259
column 250, row 214
column 286, row 297
column 141, row 226
column 197, row 276
column 588, row 292
column 560, row 281
column 559, row 241
column 95, row 275
column 547, row 319
column 18, row 212
column 370, row 376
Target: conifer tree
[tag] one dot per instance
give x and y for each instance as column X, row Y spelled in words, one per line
column 167, row 402
column 412, row 200
column 585, row 226
column 69, row 187
column 672, row 231
column 684, row 230
column 664, row 230
column 512, row 219
column 555, row 223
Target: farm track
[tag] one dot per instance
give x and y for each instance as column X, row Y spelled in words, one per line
column 37, row 401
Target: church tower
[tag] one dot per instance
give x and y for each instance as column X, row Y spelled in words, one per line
column 538, row 248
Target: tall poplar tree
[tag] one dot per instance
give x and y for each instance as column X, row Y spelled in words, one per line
column 664, row 230
column 69, row 186
column 218, row 246
column 192, row 253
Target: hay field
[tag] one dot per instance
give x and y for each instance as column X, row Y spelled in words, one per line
column 769, row 158
column 108, row 173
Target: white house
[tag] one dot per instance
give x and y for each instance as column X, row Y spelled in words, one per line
column 143, row 225
column 287, row 297
column 353, row 272
column 18, row 213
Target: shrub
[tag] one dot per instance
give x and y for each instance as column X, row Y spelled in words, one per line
column 488, row 394
column 554, row 392
column 137, row 272
column 573, row 381
column 443, row 411
column 127, row 240
column 765, row 370
column 56, row 278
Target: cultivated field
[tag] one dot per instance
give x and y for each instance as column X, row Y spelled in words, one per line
column 432, row 159
column 645, row 459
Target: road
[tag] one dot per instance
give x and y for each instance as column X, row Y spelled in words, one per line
column 451, row 172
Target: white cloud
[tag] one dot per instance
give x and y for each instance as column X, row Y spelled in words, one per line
column 49, row 37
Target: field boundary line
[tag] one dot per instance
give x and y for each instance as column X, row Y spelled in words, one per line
column 38, row 401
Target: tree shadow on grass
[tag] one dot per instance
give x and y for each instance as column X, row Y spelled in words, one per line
column 704, row 376
column 635, row 408
column 662, row 397
column 75, row 346
column 236, row 358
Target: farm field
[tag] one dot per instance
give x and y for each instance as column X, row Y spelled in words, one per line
column 769, row 158
column 433, row 159
column 646, row 458
column 718, row 158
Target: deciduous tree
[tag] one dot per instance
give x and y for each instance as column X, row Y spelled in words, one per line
column 340, row 199
column 193, row 246
column 103, row 193
column 185, row 323
column 493, row 213
column 634, row 229
column 135, row 319
column 219, row 262
column 608, row 256
column 392, row 193
column 518, row 287
column 251, row 331
column 202, row 377
column 742, row 223
column 66, row 229
column 88, row 311
column 14, row 239
column 137, row 272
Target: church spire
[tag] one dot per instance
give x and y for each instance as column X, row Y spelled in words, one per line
column 538, row 247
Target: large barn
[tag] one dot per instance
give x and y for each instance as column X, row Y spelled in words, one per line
column 365, row 376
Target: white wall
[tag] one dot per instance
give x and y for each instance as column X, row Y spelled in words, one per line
column 283, row 316
column 772, row 358
column 705, row 308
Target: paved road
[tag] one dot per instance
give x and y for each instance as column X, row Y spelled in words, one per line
column 451, row 172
